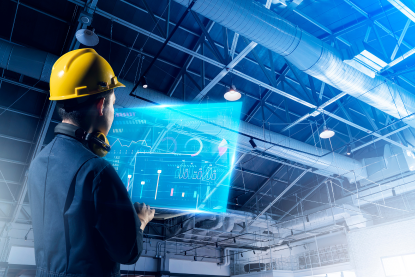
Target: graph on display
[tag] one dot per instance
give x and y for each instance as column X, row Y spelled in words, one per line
column 176, row 157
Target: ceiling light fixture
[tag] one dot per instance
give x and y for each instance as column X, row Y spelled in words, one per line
column 234, row 240
column 327, row 133
column 253, row 251
column 252, row 142
column 232, row 94
column 87, row 36
column 144, row 82
column 349, row 150
column 242, row 255
column 237, row 201
column 306, row 218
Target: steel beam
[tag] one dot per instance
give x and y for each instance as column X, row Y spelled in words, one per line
column 168, row 18
column 14, row 20
column 154, row 18
column 283, row 73
column 264, row 184
column 408, row 22
column 368, row 30
column 302, row 199
column 225, row 44
column 304, row 117
column 261, row 65
column 234, row 43
column 225, row 71
column 38, row 147
column 374, row 19
column 385, row 54
column 368, row 117
column 189, row 59
column 202, row 67
column 193, row 81
column 403, row 9
column 400, row 59
column 309, row 19
column 277, row 198
column 215, row 51
column 299, row 80
column 288, row 10
column 165, row 43
column 273, row 112
column 366, row 130
column 42, row 12
column 384, row 136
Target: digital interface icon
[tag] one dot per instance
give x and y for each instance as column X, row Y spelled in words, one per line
column 176, row 157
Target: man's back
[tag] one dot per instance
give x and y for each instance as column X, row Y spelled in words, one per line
column 83, row 222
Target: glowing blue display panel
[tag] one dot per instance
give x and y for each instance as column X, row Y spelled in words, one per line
column 176, row 157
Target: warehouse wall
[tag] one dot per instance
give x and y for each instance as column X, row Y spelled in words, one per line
column 367, row 246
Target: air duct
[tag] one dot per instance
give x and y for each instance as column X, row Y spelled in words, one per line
column 309, row 54
column 38, row 64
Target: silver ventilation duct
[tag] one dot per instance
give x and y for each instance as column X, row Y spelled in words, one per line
column 38, row 64
column 309, row 54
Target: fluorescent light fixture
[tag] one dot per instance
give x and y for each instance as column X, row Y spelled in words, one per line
column 232, row 94
column 327, row 133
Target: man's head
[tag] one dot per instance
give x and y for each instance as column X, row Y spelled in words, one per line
column 96, row 113
column 82, row 82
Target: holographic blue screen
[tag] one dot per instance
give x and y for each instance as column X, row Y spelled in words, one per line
column 176, row 157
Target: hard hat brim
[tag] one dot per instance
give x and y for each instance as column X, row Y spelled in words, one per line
column 67, row 97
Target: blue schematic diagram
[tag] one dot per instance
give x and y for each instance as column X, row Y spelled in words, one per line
column 176, row 157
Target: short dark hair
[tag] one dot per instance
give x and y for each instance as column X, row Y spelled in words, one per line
column 75, row 111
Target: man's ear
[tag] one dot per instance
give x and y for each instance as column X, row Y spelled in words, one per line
column 100, row 106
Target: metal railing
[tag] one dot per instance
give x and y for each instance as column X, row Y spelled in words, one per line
column 309, row 259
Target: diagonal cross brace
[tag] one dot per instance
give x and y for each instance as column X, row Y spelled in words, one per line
column 277, row 198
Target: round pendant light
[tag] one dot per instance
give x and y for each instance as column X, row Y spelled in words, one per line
column 327, row 133
column 232, row 94
column 87, row 37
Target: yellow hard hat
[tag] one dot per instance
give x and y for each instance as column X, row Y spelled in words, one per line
column 81, row 73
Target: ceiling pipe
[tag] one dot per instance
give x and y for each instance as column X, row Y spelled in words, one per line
column 309, row 54
column 38, row 64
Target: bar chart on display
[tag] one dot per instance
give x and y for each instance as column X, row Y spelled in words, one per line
column 176, row 157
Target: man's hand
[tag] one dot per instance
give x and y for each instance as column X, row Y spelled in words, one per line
column 144, row 213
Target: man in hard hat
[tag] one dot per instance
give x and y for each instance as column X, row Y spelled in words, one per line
column 84, row 223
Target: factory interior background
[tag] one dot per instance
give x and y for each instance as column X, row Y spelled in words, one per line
column 279, row 132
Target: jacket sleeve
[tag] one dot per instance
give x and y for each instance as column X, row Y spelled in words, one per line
column 116, row 220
